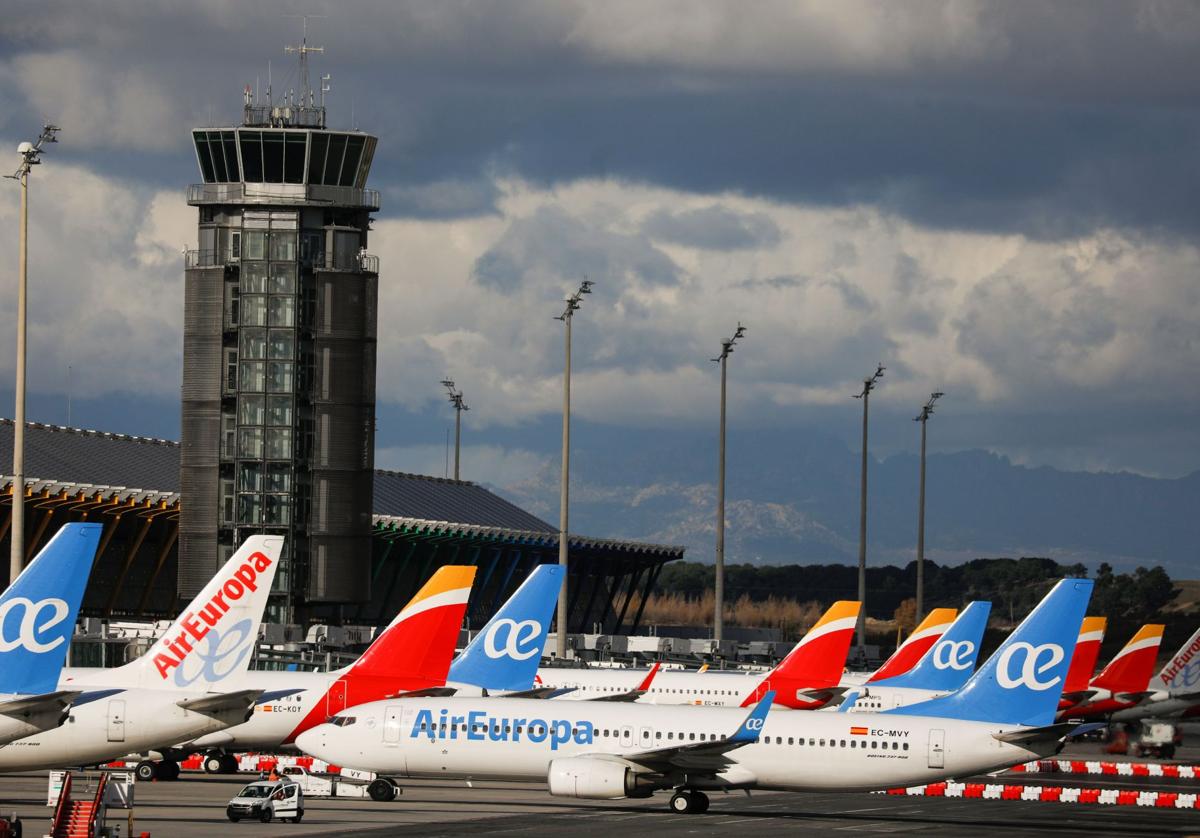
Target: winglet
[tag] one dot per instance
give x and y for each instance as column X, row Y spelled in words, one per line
column 649, row 679
column 751, row 727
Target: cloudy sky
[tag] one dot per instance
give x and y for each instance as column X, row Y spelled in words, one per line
column 994, row 199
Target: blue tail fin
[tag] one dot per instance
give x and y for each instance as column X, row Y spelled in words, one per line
column 37, row 612
column 1022, row 682
column 506, row 654
column 948, row 664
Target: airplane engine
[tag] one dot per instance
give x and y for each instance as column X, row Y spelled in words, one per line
column 598, row 779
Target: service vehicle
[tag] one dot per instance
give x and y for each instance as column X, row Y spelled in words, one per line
column 268, row 800
column 379, row 789
column 1158, row 739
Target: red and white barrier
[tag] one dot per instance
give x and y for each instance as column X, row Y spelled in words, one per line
column 1117, row 769
column 1054, row 794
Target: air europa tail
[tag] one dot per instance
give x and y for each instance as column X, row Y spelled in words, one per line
column 815, row 663
column 1182, row 672
column 1022, row 682
column 1087, row 650
column 1130, row 670
column 950, row 662
column 37, row 612
column 215, row 635
column 918, row 643
column 506, row 653
column 414, row 651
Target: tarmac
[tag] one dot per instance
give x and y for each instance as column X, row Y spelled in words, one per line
column 194, row 806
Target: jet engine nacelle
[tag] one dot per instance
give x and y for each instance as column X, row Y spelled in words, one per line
column 597, row 779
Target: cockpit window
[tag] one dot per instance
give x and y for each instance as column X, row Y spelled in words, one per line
column 343, row 721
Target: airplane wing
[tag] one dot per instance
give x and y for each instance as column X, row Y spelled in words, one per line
column 537, row 692
column 706, row 757
column 428, row 692
column 1078, row 696
column 215, row 703
column 1134, row 697
column 1048, row 733
column 29, row 705
column 823, row 695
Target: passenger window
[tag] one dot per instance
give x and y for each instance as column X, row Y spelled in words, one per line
column 791, row 741
column 822, row 743
column 843, row 743
column 906, row 746
column 874, row 744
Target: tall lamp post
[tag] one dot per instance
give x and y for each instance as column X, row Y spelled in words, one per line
column 865, row 395
column 456, row 399
column 719, row 596
column 573, row 303
column 923, row 418
column 30, row 157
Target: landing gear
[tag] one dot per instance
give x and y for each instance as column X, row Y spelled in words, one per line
column 229, row 764
column 381, row 791
column 214, row 764
column 689, row 802
column 165, row 770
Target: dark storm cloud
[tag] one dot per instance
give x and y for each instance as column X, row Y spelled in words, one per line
column 1044, row 119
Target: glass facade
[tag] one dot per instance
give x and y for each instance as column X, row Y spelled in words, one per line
column 261, row 456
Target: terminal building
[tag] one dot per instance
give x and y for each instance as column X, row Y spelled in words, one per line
column 131, row 485
column 278, row 417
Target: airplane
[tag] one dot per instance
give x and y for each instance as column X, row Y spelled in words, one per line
column 806, row 679
column 412, row 654
column 1123, row 683
column 1002, row 716
column 1176, row 688
column 907, row 654
column 37, row 619
column 1083, row 662
column 944, row 668
column 174, row 692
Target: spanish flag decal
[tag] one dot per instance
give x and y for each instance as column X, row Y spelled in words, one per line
column 858, row 731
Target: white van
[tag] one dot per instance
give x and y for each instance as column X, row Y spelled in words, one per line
column 265, row 800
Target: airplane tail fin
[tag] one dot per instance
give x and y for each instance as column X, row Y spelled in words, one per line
column 1181, row 672
column 1130, row 670
column 506, row 653
column 419, row 642
column 907, row 654
column 1022, row 682
column 1087, row 650
column 37, row 612
column 215, row 635
column 817, row 661
column 949, row 663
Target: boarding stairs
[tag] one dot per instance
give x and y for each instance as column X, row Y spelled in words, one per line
column 79, row 808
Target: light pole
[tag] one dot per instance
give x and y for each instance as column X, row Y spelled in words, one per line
column 719, row 593
column 30, row 157
column 456, row 399
column 573, row 303
column 926, row 412
column 865, row 395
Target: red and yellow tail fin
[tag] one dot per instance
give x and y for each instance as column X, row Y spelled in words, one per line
column 419, row 643
column 815, row 663
column 1130, row 670
column 1087, row 650
column 918, row 643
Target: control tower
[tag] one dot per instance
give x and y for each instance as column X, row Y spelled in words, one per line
column 278, row 413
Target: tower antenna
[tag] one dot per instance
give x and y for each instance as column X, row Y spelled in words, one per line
column 307, row 99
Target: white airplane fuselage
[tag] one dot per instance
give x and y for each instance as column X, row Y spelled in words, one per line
column 518, row 739
column 106, row 728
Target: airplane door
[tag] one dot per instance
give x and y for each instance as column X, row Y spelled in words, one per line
column 116, row 720
column 336, row 697
column 646, row 738
column 937, row 748
column 392, row 723
column 627, row 737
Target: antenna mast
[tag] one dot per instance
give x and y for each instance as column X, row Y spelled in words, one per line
column 307, row 100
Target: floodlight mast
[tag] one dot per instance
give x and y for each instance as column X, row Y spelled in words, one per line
column 719, row 564
column 923, row 418
column 573, row 303
column 456, row 399
column 865, row 395
column 30, row 156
